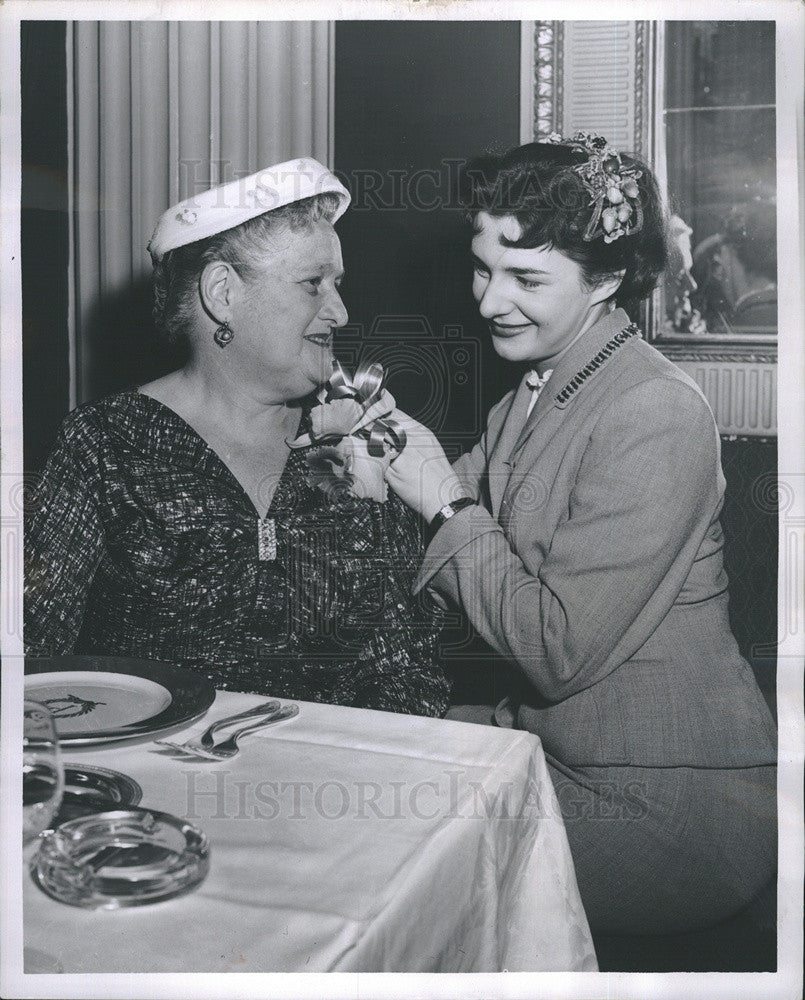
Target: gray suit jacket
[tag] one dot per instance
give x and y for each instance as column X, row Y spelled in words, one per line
column 594, row 563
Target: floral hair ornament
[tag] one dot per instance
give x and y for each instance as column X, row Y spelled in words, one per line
column 612, row 185
column 355, row 436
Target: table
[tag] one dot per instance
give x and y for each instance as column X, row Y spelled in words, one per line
column 345, row 840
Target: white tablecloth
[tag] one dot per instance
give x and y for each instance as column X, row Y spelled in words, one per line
column 345, row 840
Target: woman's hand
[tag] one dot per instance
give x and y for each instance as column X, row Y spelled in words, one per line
column 421, row 474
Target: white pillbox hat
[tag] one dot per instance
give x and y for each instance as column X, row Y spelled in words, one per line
column 229, row 205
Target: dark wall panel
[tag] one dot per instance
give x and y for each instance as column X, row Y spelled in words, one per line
column 412, row 101
column 43, row 235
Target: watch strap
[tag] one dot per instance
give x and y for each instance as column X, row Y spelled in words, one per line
column 446, row 512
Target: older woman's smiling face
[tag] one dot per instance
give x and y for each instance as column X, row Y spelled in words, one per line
column 284, row 316
column 535, row 300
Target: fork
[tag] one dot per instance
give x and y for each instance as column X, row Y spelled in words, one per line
column 205, row 741
column 229, row 747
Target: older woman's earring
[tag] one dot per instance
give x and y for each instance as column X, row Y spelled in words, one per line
column 223, row 335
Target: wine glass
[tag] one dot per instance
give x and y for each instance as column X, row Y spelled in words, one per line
column 42, row 774
column 42, row 787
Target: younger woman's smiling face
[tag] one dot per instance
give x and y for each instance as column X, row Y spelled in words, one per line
column 535, row 301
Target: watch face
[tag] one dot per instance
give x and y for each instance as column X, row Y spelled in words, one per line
column 455, row 506
column 449, row 510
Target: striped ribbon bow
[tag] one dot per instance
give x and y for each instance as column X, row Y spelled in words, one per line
column 357, row 407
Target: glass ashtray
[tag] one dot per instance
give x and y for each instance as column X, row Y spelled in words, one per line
column 124, row 857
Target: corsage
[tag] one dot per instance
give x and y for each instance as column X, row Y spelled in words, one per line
column 353, row 436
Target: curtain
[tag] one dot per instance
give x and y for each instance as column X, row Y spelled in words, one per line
column 159, row 111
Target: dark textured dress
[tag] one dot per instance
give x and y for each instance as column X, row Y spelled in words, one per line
column 139, row 541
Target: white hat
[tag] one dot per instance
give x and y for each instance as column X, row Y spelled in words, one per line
column 231, row 204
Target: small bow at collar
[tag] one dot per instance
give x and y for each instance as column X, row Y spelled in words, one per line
column 535, row 382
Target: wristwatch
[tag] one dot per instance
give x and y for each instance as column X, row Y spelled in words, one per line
column 446, row 512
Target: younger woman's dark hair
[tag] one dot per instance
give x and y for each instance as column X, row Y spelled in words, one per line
column 245, row 247
column 537, row 185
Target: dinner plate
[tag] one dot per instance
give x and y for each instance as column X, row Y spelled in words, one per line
column 89, row 789
column 100, row 699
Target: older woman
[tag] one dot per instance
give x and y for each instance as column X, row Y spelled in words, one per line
column 173, row 521
column 582, row 537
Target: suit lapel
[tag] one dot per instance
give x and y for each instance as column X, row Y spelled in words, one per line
column 499, row 468
column 517, row 430
column 568, row 368
column 543, row 405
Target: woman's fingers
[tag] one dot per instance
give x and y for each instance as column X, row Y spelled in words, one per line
column 420, row 441
column 408, row 423
column 421, row 474
column 419, row 433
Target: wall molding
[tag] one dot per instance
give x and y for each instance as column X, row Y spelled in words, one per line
column 542, row 74
column 714, row 352
column 552, row 100
column 606, row 53
column 741, row 394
